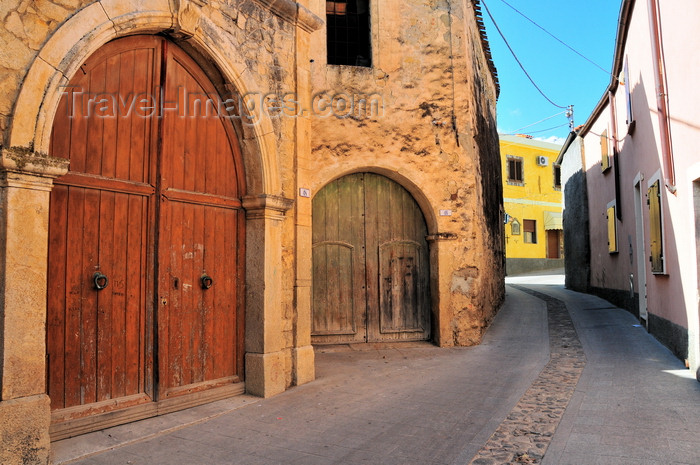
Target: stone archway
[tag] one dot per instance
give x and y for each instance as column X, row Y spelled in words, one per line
column 145, row 238
column 371, row 266
column 26, row 181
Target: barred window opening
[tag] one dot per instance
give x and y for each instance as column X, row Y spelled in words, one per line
column 348, row 35
column 514, row 170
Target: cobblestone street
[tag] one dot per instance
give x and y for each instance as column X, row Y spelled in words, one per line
column 557, row 380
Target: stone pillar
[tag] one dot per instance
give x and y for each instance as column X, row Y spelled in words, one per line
column 25, row 184
column 264, row 344
column 303, row 352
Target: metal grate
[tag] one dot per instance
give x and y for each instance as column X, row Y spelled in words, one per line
column 348, row 33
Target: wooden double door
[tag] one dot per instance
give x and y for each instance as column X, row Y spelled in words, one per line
column 370, row 263
column 146, row 238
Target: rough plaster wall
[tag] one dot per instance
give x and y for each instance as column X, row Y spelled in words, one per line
column 577, row 248
column 576, row 239
column 438, row 131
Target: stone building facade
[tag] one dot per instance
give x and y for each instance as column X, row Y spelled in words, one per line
column 415, row 113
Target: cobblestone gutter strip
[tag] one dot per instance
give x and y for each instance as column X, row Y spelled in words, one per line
column 525, row 434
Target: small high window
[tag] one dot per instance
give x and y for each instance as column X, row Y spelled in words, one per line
column 557, row 176
column 530, row 231
column 514, row 167
column 348, row 32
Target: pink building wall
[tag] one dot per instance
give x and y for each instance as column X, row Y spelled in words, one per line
column 671, row 297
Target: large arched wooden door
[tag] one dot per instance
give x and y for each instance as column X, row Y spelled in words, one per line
column 370, row 263
column 145, row 239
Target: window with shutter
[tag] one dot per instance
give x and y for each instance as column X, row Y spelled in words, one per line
column 612, row 229
column 604, row 151
column 514, row 167
column 655, row 228
column 530, row 231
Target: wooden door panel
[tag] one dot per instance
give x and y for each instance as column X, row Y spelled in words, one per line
column 553, row 244
column 101, row 124
column 338, row 283
column 219, row 336
column 334, row 296
column 99, row 222
column 94, row 337
column 370, row 263
column 201, row 231
column 104, row 218
column 398, row 300
column 402, row 293
column 198, row 329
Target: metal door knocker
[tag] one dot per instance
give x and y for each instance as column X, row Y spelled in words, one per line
column 207, row 282
column 100, row 280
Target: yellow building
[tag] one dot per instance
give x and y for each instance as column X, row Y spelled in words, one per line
column 532, row 198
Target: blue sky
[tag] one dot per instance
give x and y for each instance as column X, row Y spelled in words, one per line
column 566, row 78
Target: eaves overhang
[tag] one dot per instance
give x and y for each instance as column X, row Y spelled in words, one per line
column 485, row 45
column 623, row 24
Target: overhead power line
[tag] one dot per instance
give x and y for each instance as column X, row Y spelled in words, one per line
column 548, row 129
column 558, row 39
column 517, row 60
column 538, row 122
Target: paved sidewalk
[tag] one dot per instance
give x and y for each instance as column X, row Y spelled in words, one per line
column 633, row 403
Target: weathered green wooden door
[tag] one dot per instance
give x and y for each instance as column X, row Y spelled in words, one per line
column 370, row 263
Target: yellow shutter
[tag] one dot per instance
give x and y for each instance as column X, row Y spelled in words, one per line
column 655, row 230
column 612, row 230
column 605, row 154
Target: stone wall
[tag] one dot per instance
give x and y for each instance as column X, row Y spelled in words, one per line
column 435, row 134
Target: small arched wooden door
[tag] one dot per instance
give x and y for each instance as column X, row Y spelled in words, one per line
column 145, row 237
column 370, row 263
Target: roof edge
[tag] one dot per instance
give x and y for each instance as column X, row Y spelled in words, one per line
column 485, row 45
column 623, row 24
column 567, row 143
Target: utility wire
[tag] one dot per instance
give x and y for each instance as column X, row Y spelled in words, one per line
column 548, row 129
column 538, row 122
column 516, row 58
column 558, row 39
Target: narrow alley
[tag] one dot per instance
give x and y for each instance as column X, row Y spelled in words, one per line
column 547, row 385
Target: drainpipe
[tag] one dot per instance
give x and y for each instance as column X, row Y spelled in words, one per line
column 613, row 121
column 661, row 96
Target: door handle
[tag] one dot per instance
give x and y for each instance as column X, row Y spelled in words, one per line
column 206, row 281
column 99, row 280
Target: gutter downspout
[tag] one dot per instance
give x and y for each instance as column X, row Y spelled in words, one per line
column 613, row 121
column 662, row 96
